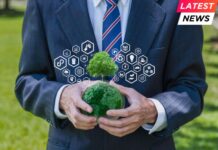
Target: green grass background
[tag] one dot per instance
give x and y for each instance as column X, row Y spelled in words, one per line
column 20, row 130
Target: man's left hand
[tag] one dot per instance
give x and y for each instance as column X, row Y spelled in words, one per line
column 141, row 111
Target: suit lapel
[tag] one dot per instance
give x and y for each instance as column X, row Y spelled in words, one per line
column 145, row 20
column 74, row 19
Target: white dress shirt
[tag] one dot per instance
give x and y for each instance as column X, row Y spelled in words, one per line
column 97, row 9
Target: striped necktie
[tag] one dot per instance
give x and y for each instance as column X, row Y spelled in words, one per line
column 112, row 36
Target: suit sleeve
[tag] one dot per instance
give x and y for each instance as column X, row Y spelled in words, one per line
column 36, row 87
column 184, row 79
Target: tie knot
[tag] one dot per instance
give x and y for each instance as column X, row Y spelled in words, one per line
column 112, row 2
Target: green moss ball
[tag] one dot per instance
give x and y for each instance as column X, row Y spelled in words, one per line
column 102, row 97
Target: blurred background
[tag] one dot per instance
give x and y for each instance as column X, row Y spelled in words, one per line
column 20, row 130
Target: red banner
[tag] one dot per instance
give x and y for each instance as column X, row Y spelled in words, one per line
column 197, row 6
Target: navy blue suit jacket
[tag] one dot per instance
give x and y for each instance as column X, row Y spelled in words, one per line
column 51, row 26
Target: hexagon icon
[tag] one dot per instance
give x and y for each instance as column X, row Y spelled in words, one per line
column 125, row 66
column 138, row 51
column 66, row 53
column 131, row 58
column 137, row 68
column 71, row 79
column 131, row 77
column 87, row 47
column 120, row 58
column 66, row 72
column 60, row 63
column 142, row 78
column 76, row 49
column 73, row 61
column 114, row 51
column 79, row 71
column 84, row 58
column 149, row 70
column 121, row 74
column 143, row 60
column 115, row 78
column 125, row 47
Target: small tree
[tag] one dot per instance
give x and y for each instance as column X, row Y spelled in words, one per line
column 102, row 96
column 102, row 65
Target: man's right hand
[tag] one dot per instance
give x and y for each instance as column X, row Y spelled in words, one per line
column 71, row 102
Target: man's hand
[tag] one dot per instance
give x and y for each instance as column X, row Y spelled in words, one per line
column 71, row 103
column 140, row 111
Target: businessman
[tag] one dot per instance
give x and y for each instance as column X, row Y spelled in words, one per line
column 160, row 97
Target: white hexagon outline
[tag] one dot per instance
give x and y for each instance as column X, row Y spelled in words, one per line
column 65, row 52
column 145, row 59
column 64, row 74
column 135, row 78
column 81, row 58
column 114, row 50
column 126, row 44
column 93, row 45
column 77, row 73
column 116, row 78
column 118, row 57
column 137, row 65
column 59, row 57
column 135, row 59
column 124, row 68
column 75, row 51
column 122, row 72
column 146, row 69
column 138, row 53
column 74, row 57
column 68, row 79
column 141, row 80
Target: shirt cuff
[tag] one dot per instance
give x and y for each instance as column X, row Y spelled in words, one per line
column 161, row 121
column 57, row 111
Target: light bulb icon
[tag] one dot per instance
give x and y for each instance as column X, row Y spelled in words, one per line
column 132, row 57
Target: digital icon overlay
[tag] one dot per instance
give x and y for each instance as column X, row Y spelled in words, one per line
column 133, row 65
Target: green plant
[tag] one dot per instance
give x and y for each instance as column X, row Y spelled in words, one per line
column 102, row 65
column 102, row 96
